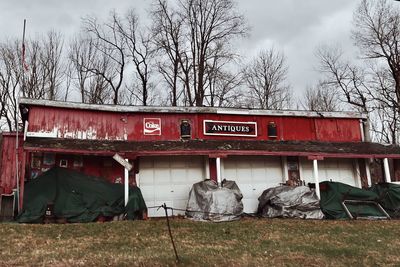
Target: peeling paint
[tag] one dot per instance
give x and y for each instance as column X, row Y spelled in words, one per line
column 54, row 133
column 125, row 134
column 71, row 123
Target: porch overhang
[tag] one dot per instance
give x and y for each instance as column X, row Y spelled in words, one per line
column 134, row 149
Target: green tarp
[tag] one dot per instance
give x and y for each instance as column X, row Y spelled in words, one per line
column 77, row 197
column 389, row 197
column 334, row 193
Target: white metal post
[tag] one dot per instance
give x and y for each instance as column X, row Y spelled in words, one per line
column 285, row 169
column 207, row 167
column 218, row 165
column 316, row 179
column 387, row 172
column 362, row 130
column 367, row 170
column 126, row 184
column 357, row 173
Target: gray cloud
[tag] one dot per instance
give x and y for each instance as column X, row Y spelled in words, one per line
column 295, row 27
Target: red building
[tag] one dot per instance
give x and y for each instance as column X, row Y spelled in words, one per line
column 171, row 148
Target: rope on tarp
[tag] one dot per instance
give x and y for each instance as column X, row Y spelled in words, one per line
column 200, row 211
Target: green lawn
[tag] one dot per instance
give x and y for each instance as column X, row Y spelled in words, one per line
column 248, row 242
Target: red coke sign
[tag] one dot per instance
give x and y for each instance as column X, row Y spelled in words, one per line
column 152, row 126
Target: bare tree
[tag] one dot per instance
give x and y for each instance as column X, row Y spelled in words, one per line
column 10, row 80
column 39, row 75
column 321, row 98
column 33, row 84
column 385, row 123
column 123, row 44
column 192, row 35
column 373, row 84
column 35, row 70
column 222, row 83
column 210, row 24
column 44, row 67
column 53, row 67
column 80, row 55
column 84, row 57
column 366, row 87
column 112, row 46
column 377, row 34
column 266, row 78
column 138, row 49
column 348, row 79
column 167, row 30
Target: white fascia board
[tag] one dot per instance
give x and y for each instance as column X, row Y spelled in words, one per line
column 209, row 110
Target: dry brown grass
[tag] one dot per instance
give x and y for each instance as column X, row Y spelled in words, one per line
column 248, row 242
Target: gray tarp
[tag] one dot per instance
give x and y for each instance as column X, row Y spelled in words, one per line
column 289, row 202
column 208, row 202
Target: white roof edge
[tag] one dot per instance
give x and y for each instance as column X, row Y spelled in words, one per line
column 230, row 111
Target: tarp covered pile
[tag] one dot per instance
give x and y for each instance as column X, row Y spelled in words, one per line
column 289, row 202
column 334, row 194
column 389, row 197
column 208, row 202
column 77, row 198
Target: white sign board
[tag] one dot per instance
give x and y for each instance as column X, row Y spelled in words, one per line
column 152, row 126
column 123, row 162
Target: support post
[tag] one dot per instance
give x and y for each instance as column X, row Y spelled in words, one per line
column 387, row 171
column 284, row 169
column 207, row 167
column 219, row 179
column 127, row 167
column 368, row 171
column 316, row 179
column 357, row 173
column 362, row 130
column 126, row 183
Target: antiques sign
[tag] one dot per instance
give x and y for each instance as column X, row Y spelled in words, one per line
column 230, row 128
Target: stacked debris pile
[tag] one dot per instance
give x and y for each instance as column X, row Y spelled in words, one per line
column 209, row 202
column 289, row 202
column 76, row 197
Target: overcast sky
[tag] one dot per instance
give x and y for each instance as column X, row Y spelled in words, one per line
column 293, row 26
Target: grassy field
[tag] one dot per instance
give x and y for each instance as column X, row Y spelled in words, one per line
column 248, row 242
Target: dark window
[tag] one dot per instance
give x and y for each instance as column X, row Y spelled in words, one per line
column 272, row 131
column 185, row 129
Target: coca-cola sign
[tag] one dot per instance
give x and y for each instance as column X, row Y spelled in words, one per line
column 152, row 126
column 230, row 128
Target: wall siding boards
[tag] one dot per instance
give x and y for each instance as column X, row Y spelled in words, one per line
column 103, row 125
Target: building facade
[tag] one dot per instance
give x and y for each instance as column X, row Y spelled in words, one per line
column 170, row 148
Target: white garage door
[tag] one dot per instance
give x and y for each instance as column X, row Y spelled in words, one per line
column 337, row 170
column 168, row 180
column 253, row 174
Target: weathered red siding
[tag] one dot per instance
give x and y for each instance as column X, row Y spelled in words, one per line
column 89, row 124
column 337, row 130
column 293, row 128
column 8, row 167
column 104, row 167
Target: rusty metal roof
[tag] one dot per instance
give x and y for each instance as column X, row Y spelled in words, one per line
column 209, row 110
column 210, row 147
